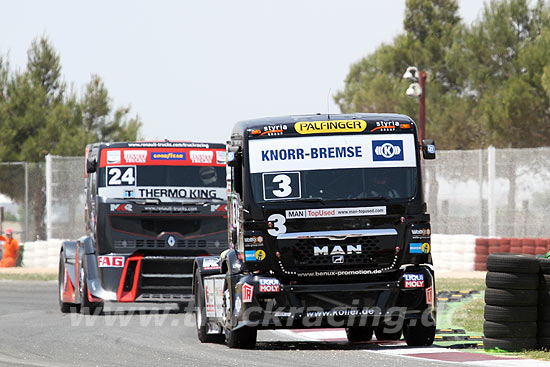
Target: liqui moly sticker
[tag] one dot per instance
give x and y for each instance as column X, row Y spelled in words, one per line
column 414, row 280
column 248, row 290
column 336, row 212
column 269, row 285
column 109, row 261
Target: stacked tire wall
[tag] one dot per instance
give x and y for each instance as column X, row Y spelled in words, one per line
column 486, row 246
column 511, row 302
column 543, row 323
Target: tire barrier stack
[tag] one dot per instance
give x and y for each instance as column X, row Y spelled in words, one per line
column 453, row 252
column 486, row 246
column 511, row 301
column 543, row 322
column 42, row 254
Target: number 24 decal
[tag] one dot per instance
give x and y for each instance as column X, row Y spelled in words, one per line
column 121, row 176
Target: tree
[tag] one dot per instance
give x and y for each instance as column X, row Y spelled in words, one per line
column 38, row 116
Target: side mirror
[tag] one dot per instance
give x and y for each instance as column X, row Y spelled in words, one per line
column 91, row 165
column 234, row 159
column 428, row 149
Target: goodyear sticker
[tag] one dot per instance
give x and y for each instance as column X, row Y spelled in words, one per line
column 335, row 126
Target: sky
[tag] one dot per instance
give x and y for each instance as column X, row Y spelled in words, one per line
column 191, row 69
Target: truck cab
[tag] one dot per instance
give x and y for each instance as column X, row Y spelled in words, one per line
column 151, row 208
column 327, row 228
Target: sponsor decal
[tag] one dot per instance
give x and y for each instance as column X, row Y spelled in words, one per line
column 430, row 295
column 171, row 241
column 431, row 148
column 218, row 208
column 238, row 305
column 387, row 126
column 129, row 193
column 135, row 156
column 248, row 291
column 168, row 156
column 211, row 264
column 331, row 152
column 220, row 156
column 209, row 298
column 282, row 314
column 113, row 156
column 250, row 255
column 426, row 248
column 269, row 285
column 344, row 312
column 336, row 250
column 270, row 130
column 109, row 261
column 167, row 144
column 201, row 156
column 386, row 150
column 253, row 239
column 420, row 233
column 121, row 207
column 335, row 126
column 336, row 212
column 415, row 248
column 180, row 192
column 282, row 185
column 338, row 259
column 414, row 280
column 339, row 273
column 260, row 255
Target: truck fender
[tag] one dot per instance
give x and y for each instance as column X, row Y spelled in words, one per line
column 230, row 262
column 206, row 265
column 87, row 244
column 68, row 256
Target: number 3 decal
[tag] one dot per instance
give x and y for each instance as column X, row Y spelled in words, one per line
column 278, row 225
column 284, row 186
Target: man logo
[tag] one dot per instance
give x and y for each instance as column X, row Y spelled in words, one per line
column 338, row 259
column 384, row 150
column 171, row 241
column 336, row 250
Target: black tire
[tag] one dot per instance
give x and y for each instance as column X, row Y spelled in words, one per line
column 504, row 329
column 544, row 282
column 510, row 344
column 543, row 329
column 381, row 335
column 510, row 297
column 242, row 338
column 544, row 265
column 87, row 307
column 510, row 313
column 512, row 263
column 511, row 280
column 200, row 314
column 64, row 307
column 419, row 335
column 358, row 334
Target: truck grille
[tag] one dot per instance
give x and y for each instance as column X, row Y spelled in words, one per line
column 163, row 244
column 352, row 253
column 166, row 274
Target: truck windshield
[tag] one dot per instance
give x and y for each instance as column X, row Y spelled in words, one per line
column 381, row 166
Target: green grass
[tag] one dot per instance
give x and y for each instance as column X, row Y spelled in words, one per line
column 459, row 284
column 29, row 276
column 470, row 315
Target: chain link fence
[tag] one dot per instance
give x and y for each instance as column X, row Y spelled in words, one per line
column 486, row 192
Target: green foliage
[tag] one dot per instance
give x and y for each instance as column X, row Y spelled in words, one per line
column 489, row 83
column 40, row 116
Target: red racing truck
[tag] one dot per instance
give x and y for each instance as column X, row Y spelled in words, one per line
column 151, row 209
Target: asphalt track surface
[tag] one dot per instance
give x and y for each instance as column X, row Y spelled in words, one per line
column 33, row 332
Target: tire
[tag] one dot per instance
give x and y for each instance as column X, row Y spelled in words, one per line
column 359, row 334
column 512, row 263
column 504, row 329
column 242, row 338
column 544, row 282
column 543, row 329
column 510, row 313
column 511, row 280
column 543, row 343
column 200, row 314
column 87, row 307
column 419, row 335
column 510, row 344
column 511, row 297
column 64, row 307
column 544, row 265
column 381, row 335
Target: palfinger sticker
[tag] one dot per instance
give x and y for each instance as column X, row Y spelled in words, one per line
column 335, row 126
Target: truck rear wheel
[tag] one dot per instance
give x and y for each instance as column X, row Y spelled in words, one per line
column 359, row 334
column 417, row 335
column 200, row 314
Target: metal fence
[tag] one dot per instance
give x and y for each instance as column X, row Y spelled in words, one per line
column 486, row 192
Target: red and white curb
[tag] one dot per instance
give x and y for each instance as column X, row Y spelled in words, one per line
column 400, row 349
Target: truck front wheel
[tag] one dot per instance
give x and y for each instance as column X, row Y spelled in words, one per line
column 359, row 334
column 417, row 335
column 200, row 314
column 86, row 306
column 242, row 338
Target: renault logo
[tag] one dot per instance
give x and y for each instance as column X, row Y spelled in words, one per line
column 171, row 241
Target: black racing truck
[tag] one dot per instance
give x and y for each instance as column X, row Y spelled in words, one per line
column 151, row 208
column 327, row 228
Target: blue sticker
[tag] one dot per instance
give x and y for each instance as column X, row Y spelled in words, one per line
column 415, row 248
column 414, row 276
column 387, row 150
column 250, row 255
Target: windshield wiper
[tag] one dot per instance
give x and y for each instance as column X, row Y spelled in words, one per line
column 315, row 199
column 370, row 198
